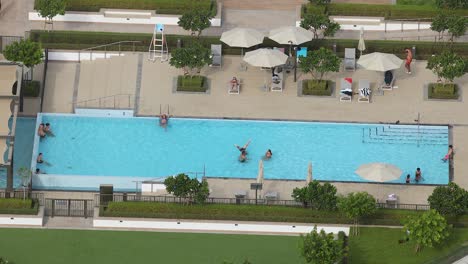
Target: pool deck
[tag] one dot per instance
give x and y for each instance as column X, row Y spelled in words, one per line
column 403, row 104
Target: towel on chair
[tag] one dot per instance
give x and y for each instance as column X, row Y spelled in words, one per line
column 365, row 92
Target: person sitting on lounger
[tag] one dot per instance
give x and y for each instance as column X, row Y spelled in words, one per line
column 244, row 148
column 234, row 84
column 449, row 153
column 388, row 78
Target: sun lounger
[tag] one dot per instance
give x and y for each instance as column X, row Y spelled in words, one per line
column 277, row 80
column 346, row 92
column 216, row 53
column 364, row 91
column 350, row 59
column 236, row 89
column 389, row 79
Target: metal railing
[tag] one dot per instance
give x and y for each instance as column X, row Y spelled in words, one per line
column 116, row 101
column 103, row 199
column 100, row 47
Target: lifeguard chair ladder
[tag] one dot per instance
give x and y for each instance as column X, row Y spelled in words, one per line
column 158, row 46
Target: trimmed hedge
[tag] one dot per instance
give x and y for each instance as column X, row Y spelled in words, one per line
column 31, row 88
column 18, row 206
column 386, row 11
column 191, row 84
column 174, row 7
column 439, row 91
column 77, row 40
column 314, row 87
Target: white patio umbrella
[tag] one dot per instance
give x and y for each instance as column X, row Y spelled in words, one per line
column 242, row 37
column 309, row 173
column 361, row 45
column 379, row 172
column 260, row 172
column 380, row 62
column 291, row 35
column 268, row 58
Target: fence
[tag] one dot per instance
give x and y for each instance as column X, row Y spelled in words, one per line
column 69, row 207
column 104, row 199
column 21, row 195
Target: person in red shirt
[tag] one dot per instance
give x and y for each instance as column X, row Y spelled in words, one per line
column 409, row 59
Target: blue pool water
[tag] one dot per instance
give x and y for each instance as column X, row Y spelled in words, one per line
column 22, row 149
column 138, row 147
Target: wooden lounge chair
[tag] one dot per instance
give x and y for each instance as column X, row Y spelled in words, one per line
column 350, row 59
column 346, row 92
column 216, row 53
column 364, row 91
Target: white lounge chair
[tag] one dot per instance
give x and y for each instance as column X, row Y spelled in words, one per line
column 277, row 82
column 350, row 59
column 388, row 86
column 364, row 91
column 234, row 90
column 346, row 92
column 216, row 53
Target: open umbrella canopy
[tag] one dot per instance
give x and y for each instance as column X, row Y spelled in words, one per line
column 379, row 172
column 380, row 62
column 242, row 37
column 361, row 45
column 291, row 35
column 309, row 173
column 265, row 58
column 260, row 172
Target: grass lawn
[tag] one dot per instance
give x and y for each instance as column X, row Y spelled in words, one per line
column 380, row 245
column 38, row 246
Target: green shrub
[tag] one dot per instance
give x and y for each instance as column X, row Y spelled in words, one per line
column 18, row 206
column 191, row 83
column 440, row 91
column 31, row 88
column 161, row 6
column 314, row 87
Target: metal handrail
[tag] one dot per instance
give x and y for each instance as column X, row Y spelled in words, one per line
column 105, row 46
column 100, row 99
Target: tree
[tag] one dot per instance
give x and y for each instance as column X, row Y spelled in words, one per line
column 4, row 261
column 456, row 26
column 449, row 200
column 48, row 9
column 320, row 197
column 453, row 4
column 196, row 20
column 319, row 23
column 428, row 229
column 320, row 247
column 320, row 61
column 25, row 51
column 356, row 206
column 447, row 65
column 440, row 24
column 190, row 58
column 189, row 189
column 25, row 175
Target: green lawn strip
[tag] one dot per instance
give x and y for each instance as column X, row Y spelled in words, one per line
column 175, row 7
column 386, row 11
column 18, row 206
column 77, row 40
column 380, row 245
column 416, row 2
column 42, row 246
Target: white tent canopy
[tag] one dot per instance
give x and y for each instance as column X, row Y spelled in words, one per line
column 242, row 37
column 379, row 172
column 291, row 35
column 380, row 62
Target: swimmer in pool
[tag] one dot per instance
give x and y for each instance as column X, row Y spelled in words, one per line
column 243, row 148
column 40, row 131
column 243, row 156
column 268, row 154
column 48, row 130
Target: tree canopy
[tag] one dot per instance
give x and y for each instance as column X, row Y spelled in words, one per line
column 449, row 200
column 319, row 24
column 427, row 230
column 447, row 65
column 50, row 8
column 190, row 58
column 195, row 20
column 320, row 247
column 191, row 189
column 319, row 197
column 356, row 206
column 452, row 4
column 319, row 62
column 25, row 51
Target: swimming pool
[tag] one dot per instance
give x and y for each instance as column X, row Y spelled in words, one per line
column 140, row 148
column 24, row 136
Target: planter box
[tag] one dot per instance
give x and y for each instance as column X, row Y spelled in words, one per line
column 197, row 84
column 440, row 91
column 313, row 87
